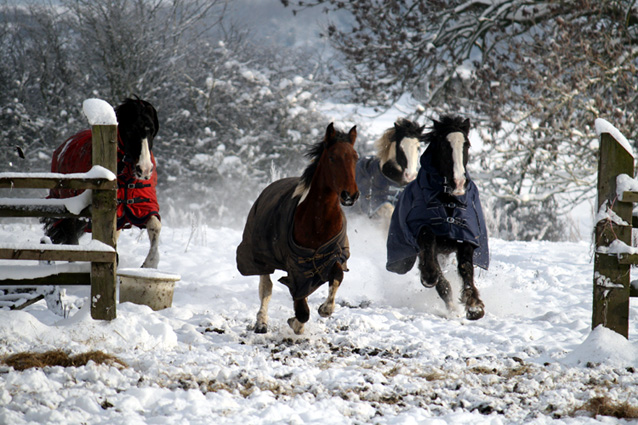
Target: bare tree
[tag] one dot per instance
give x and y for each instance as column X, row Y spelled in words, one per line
column 136, row 46
column 532, row 74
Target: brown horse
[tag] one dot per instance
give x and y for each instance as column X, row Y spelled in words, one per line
column 297, row 225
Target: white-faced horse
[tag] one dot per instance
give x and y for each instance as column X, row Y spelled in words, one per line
column 440, row 213
column 136, row 177
column 382, row 177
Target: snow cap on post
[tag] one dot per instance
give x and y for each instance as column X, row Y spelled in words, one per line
column 99, row 112
column 603, row 126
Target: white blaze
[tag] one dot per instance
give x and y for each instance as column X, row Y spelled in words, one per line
column 145, row 164
column 410, row 148
column 457, row 140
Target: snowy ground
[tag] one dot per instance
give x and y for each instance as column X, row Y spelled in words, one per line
column 389, row 354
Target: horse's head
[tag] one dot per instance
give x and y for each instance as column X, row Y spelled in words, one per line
column 398, row 150
column 137, row 125
column 450, row 144
column 340, row 159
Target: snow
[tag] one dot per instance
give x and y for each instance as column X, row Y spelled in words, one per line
column 34, row 271
column 604, row 126
column 99, row 112
column 624, row 183
column 617, row 247
column 74, row 204
column 606, row 213
column 603, row 345
column 91, row 245
column 390, row 353
column 96, row 172
column 148, row 274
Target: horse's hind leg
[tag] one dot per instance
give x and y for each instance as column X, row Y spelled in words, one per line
column 474, row 307
column 328, row 306
column 302, row 314
column 265, row 293
column 431, row 273
column 153, row 227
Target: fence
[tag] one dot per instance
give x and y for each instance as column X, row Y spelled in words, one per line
column 614, row 254
column 100, row 252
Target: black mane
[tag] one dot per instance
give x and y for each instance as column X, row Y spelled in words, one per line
column 405, row 128
column 446, row 125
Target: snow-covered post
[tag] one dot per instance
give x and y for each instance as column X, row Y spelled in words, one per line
column 104, row 206
column 612, row 279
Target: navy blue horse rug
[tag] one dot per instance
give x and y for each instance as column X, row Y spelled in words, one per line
column 427, row 201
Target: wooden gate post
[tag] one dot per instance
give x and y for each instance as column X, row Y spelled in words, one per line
column 104, row 213
column 611, row 279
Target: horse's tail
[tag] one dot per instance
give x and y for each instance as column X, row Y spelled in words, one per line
column 65, row 230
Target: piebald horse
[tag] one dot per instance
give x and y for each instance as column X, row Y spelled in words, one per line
column 382, row 177
column 440, row 213
column 136, row 177
column 297, row 225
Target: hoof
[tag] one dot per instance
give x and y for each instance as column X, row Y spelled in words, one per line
column 428, row 284
column 261, row 328
column 295, row 325
column 475, row 313
column 325, row 311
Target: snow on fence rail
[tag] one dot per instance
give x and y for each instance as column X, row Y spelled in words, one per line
column 99, row 202
column 614, row 255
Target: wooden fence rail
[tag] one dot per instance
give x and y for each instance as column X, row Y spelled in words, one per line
column 613, row 255
column 100, row 252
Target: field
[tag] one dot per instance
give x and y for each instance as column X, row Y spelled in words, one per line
column 390, row 354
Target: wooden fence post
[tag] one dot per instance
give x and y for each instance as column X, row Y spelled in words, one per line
column 104, row 206
column 611, row 279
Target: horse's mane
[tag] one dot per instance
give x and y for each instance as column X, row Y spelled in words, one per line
column 406, row 127
column 445, row 125
column 314, row 153
column 383, row 143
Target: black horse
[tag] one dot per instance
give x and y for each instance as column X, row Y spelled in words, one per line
column 382, row 177
column 440, row 213
column 136, row 177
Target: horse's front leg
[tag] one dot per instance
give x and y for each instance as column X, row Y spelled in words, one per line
column 431, row 273
column 474, row 307
column 265, row 294
column 302, row 314
column 328, row 306
column 153, row 227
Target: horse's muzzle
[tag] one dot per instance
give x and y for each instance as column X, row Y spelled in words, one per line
column 348, row 200
column 460, row 187
column 141, row 175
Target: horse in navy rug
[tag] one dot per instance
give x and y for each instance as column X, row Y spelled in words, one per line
column 440, row 212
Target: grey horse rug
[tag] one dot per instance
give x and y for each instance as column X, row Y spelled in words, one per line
column 267, row 243
column 375, row 188
column 421, row 204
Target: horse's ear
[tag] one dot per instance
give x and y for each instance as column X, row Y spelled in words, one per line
column 330, row 132
column 352, row 134
column 466, row 126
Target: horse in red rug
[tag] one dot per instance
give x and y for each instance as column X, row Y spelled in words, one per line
column 136, row 177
